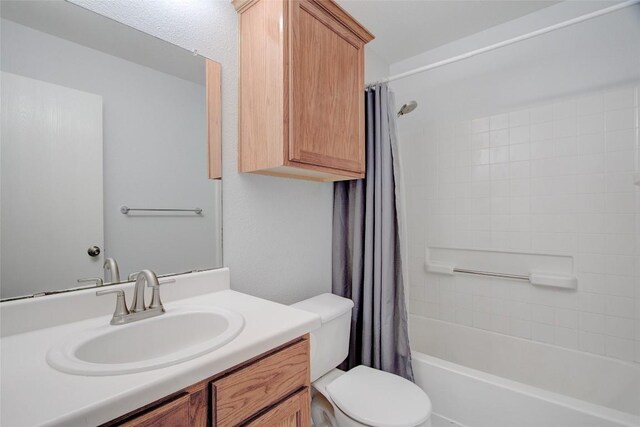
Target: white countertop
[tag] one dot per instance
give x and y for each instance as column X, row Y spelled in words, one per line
column 32, row 393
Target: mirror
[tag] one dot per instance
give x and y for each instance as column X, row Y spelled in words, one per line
column 106, row 152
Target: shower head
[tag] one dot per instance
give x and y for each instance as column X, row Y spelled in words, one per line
column 407, row 108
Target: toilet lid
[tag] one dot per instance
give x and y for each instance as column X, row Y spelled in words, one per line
column 379, row 399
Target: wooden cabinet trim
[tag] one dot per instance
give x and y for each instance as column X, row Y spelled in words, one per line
column 306, row 174
column 214, row 117
column 330, row 7
column 175, row 412
column 306, row 169
column 338, row 164
column 119, row 421
column 321, row 14
column 242, row 5
column 199, row 410
column 287, row 32
column 346, row 19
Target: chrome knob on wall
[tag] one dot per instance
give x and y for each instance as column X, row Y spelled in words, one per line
column 93, row 251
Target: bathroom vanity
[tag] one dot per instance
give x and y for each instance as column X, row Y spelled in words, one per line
column 259, row 378
column 269, row 390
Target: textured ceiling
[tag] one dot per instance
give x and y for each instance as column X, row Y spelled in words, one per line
column 406, row 28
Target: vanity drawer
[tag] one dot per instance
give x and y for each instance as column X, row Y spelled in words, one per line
column 291, row 412
column 247, row 391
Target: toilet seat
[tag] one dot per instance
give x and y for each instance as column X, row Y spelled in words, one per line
column 379, row 399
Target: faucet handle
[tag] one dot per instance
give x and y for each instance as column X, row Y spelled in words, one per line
column 97, row 280
column 121, row 305
column 155, row 294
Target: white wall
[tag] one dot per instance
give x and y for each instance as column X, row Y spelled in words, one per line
column 375, row 68
column 154, row 151
column 277, row 232
column 531, row 148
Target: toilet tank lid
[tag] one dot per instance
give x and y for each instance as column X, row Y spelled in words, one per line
column 327, row 306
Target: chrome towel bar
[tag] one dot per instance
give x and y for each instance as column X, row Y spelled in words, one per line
column 487, row 273
column 535, row 278
column 125, row 210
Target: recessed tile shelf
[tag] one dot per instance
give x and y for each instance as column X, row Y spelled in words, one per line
column 538, row 269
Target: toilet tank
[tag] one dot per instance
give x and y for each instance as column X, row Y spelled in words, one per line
column 329, row 343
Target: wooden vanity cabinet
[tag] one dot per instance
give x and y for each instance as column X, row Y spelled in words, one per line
column 301, row 94
column 272, row 390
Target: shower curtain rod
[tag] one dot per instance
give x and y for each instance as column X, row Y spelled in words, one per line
column 508, row 42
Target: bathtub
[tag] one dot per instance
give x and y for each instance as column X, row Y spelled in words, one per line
column 479, row 378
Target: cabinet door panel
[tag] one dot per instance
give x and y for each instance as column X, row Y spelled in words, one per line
column 292, row 412
column 241, row 394
column 327, row 98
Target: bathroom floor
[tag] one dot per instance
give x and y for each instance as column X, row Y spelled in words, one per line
column 437, row 421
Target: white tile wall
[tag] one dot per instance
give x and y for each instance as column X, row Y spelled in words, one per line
column 545, row 178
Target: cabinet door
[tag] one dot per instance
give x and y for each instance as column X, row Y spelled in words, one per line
column 291, row 412
column 327, row 90
column 245, row 392
column 174, row 413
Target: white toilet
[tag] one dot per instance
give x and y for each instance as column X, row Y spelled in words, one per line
column 362, row 396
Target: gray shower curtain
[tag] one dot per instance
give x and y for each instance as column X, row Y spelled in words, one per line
column 366, row 248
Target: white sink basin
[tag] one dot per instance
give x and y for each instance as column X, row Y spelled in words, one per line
column 178, row 335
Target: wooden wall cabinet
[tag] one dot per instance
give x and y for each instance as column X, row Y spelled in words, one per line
column 272, row 390
column 301, row 99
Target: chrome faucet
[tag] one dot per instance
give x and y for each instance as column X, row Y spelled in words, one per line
column 110, row 265
column 138, row 309
column 133, row 277
column 149, row 278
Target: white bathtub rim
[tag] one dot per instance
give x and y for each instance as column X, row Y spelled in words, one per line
column 615, row 363
column 599, row 411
